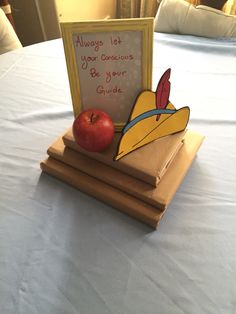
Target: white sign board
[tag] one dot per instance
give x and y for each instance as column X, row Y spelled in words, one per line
column 109, row 63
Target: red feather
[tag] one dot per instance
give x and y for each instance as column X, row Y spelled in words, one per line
column 163, row 91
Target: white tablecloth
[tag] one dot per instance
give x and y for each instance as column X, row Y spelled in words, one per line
column 62, row 251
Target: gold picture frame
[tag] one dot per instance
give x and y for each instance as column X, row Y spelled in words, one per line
column 109, row 62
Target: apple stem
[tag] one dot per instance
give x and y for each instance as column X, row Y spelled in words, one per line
column 93, row 117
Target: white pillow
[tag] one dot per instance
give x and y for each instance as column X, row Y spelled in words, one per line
column 8, row 38
column 181, row 17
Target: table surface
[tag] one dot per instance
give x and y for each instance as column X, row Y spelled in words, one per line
column 62, row 251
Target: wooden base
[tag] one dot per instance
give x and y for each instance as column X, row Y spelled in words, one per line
column 133, row 198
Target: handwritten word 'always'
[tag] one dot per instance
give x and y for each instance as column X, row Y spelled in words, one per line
column 106, row 91
column 96, row 44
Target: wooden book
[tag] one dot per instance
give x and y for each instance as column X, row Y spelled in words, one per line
column 103, row 192
column 119, row 199
column 148, row 163
column 159, row 196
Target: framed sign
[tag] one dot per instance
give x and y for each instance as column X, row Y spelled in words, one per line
column 109, row 63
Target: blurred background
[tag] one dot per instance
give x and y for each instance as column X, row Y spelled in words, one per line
column 39, row 20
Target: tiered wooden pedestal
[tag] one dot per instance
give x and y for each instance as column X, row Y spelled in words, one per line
column 141, row 184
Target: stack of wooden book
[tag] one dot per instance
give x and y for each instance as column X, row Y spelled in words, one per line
column 141, row 184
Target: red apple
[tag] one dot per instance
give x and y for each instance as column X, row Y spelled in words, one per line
column 93, row 130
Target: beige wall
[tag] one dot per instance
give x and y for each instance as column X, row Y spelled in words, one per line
column 27, row 21
column 49, row 19
column 35, row 20
column 38, row 20
column 73, row 10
